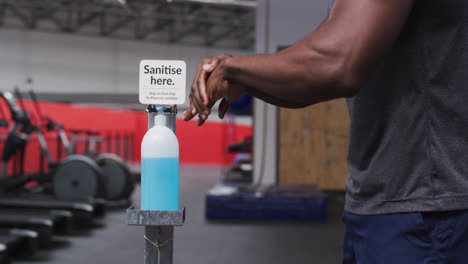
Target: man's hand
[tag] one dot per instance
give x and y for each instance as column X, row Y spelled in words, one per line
column 198, row 98
column 219, row 88
column 203, row 99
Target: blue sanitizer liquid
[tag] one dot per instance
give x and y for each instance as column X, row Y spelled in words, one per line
column 160, row 184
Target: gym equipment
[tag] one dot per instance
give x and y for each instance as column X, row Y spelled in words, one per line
column 77, row 177
column 82, row 213
column 4, row 258
column 63, row 220
column 21, row 243
column 11, row 242
column 119, row 184
column 236, row 197
column 243, row 146
column 281, row 202
column 118, row 180
column 241, row 170
column 16, row 140
column 44, row 226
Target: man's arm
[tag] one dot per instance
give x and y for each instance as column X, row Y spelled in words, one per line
column 281, row 102
column 199, row 95
column 332, row 62
column 199, row 103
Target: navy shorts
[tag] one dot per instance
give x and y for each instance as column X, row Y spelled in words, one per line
column 413, row 238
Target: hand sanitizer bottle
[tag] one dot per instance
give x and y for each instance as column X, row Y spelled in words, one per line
column 160, row 168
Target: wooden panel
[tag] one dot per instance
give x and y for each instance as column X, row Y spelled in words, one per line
column 313, row 144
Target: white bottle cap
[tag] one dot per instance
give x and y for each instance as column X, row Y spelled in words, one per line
column 160, row 120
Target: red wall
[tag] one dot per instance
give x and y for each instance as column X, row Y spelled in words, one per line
column 199, row 145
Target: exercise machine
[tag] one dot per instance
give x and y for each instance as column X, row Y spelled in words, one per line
column 18, row 198
column 118, row 182
column 77, row 177
column 241, row 169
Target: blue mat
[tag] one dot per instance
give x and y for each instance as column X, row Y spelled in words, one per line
column 282, row 202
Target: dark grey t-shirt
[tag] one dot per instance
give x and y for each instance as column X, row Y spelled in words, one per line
column 409, row 122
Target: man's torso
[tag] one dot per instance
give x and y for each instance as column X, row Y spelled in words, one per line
column 409, row 123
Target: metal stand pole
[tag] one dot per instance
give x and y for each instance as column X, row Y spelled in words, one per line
column 159, row 249
column 159, row 225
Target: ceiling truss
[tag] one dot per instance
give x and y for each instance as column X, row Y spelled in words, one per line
column 205, row 22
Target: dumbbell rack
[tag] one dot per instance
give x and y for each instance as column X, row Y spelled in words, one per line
column 159, row 225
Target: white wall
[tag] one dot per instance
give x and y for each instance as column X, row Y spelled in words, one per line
column 77, row 64
column 279, row 23
column 294, row 19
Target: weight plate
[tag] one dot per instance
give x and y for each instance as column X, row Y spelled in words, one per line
column 78, row 178
column 118, row 182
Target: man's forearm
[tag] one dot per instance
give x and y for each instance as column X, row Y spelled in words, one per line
column 281, row 102
column 295, row 77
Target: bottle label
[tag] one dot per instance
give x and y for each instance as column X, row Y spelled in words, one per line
column 162, row 82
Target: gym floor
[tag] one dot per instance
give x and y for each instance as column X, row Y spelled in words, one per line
column 207, row 242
